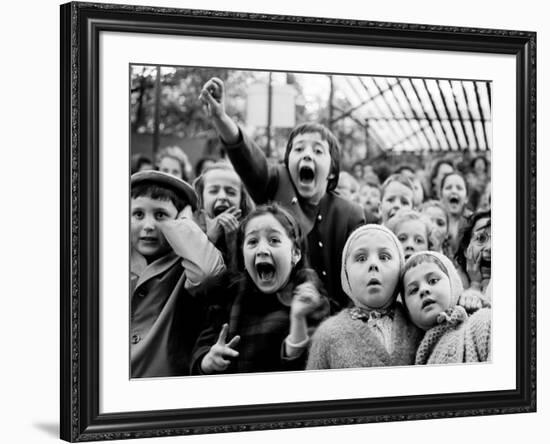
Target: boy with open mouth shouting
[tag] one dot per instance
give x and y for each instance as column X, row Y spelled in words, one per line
column 304, row 184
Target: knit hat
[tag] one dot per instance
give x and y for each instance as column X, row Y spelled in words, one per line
column 356, row 234
column 449, row 269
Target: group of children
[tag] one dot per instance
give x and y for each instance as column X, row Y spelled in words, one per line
column 269, row 267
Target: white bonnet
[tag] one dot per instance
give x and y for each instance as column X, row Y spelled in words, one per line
column 452, row 273
column 356, row 234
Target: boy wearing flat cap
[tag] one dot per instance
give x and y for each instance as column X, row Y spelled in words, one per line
column 170, row 257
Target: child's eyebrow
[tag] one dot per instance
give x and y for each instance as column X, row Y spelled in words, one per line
column 270, row 231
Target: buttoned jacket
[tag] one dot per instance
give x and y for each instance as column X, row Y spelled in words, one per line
column 327, row 225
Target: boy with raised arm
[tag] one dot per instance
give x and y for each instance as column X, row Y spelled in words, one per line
column 304, row 183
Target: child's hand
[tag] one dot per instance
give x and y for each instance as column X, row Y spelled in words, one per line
column 227, row 222
column 306, row 300
column 220, row 354
column 213, row 96
column 473, row 268
column 472, row 300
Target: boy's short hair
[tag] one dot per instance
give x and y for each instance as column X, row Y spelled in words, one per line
column 333, row 145
column 398, row 177
column 162, row 186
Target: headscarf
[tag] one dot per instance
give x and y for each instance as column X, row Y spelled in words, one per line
column 449, row 269
column 356, row 234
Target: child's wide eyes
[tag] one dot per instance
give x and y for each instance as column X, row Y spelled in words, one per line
column 251, row 241
column 160, row 215
column 385, row 257
column 360, row 258
column 420, row 240
column 275, row 240
column 138, row 214
column 433, row 281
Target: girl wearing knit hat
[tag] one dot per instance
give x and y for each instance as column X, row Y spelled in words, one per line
column 431, row 292
column 375, row 331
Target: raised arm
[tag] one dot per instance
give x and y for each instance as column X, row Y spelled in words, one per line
column 213, row 96
column 199, row 256
column 259, row 177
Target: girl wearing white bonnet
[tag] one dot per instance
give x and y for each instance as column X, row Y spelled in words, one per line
column 375, row 331
column 431, row 292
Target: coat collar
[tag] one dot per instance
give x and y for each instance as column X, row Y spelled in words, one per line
column 154, row 268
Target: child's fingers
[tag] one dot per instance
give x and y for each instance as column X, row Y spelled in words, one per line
column 223, row 335
column 207, row 98
column 469, row 253
column 229, row 222
column 217, row 82
column 220, row 364
column 478, row 260
column 228, row 352
column 234, row 342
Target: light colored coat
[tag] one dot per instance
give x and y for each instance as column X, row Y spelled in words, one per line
column 158, row 288
column 344, row 342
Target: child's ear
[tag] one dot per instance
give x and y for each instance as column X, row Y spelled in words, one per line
column 296, row 255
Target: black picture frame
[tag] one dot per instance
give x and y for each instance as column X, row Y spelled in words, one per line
column 81, row 25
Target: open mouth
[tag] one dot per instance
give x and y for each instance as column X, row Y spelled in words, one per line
column 265, row 270
column 306, row 174
column 485, row 263
column 148, row 239
column 453, row 200
column 220, row 208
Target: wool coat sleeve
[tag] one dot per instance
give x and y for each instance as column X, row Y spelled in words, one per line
column 199, row 257
column 261, row 179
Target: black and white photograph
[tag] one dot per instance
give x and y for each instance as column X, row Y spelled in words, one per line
column 273, row 222
column 306, row 221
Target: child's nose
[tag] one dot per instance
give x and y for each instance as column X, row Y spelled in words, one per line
column 373, row 266
column 424, row 290
column 262, row 248
column 148, row 223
